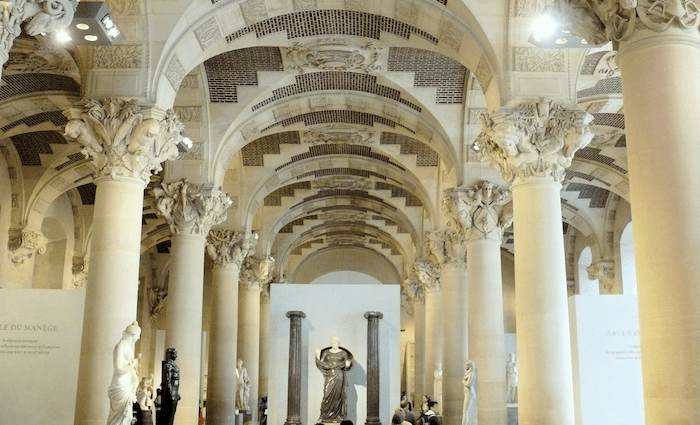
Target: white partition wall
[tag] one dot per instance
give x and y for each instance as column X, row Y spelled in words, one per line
column 334, row 310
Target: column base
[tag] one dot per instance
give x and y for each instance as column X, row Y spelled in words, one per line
column 373, row 421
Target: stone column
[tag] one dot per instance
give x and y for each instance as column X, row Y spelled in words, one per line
column 227, row 249
column 659, row 58
column 264, row 339
column 254, row 274
column 191, row 211
column 483, row 213
column 373, row 367
column 531, row 144
column 294, row 377
column 125, row 146
column 414, row 289
column 448, row 248
column 428, row 274
column 60, row 13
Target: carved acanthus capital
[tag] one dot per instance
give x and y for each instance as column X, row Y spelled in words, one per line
column 428, row 274
column 533, row 139
column 44, row 16
column 407, row 304
column 121, row 143
column 604, row 272
column 256, row 272
column 265, row 293
column 188, row 209
column 230, row 247
column 482, row 212
column 447, row 247
column 80, row 271
column 600, row 21
column 413, row 288
column 25, row 246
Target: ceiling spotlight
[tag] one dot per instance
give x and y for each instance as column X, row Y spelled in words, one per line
column 548, row 31
column 63, row 36
column 82, row 26
column 90, row 37
column 95, row 17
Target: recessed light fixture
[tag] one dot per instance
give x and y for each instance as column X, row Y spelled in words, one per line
column 82, row 26
column 91, row 37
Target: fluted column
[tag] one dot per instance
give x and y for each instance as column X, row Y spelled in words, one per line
column 482, row 213
column 659, row 58
column 125, row 144
column 414, row 289
column 190, row 210
column 428, row 274
column 531, row 144
column 254, row 274
column 448, row 248
column 373, row 367
column 294, row 377
column 227, row 249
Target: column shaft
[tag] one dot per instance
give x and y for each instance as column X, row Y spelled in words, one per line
column 455, row 342
column 223, row 332
column 249, row 340
column 419, row 373
column 486, row 329
column 184, row 321
column 545, row 381
column 433, row 339
column 662, row 98
column 294, row 377
column 112, row 291
column 264, row 347
column 373, row 367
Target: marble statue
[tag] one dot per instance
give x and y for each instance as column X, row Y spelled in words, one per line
column 469, row 408
column 122, row 390
column 242, row 387
column 437, row 385
column 146, row 412
column 511, row 378
column 169, row 388
column 333, row 362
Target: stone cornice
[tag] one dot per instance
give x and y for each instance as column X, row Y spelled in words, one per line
column 230, row 247
column 482, row 212
column 120, row 141
column 599, row 22
column 187, row 209
column 534, row 139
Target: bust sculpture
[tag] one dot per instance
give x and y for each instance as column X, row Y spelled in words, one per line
column 511, row 378
column 169, row 388
column 122, row 390
column 242, row 387
column 333, row 362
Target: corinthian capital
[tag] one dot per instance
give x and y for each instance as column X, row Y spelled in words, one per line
column 120, row 142
column 187, row 209
column 413, row 288
column 428, row 275
column 599, row 21
column 24, row 247
column 604, row 272
column 44, row 16
column 448, row 247
column 482, row 212
column 255, row 273
column 533, row 139
column 229, row 247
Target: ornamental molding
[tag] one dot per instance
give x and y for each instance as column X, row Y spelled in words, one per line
column 598, row 21
column 344, row 215
column 447, row 247
column 118, row 139
column 255, row 273
column 40, row 61
column 535, row 139
column 121, row 56
column 188, row 209
column 226, row 247
column 26, row 245
column 534, row 59
column 340, row 134
column 428, row 275
column 42, row 16
column 334, row 54
column 80, row 271
column 413, row 288
column 481, row 212
column 407, row 304
column 343, row 182
column 604, row 272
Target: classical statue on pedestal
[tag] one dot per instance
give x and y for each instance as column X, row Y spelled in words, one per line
column 122, row 390
column 169, row 388
column 242, row 387
column 469, row 408
column 333, row 362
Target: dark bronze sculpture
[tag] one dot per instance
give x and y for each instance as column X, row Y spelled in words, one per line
column 333, row 361
column 169, row 389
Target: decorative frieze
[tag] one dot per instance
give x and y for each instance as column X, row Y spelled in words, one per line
column 253, row 11
column 483, row 74
column 208, row 33
column 451, row 33
column 188, row 209
column 175, row 72
column 24, row 247
column 190, row 113
column 334, row 54
column 120, row 142
column 482, row 212
column 229, row 247
column 338, row 133
column 533, row 139
column 343, row 182
column 532, row 59
column 121, row 56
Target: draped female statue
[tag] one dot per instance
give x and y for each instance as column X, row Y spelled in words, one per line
column 333, row 362
column 122, row 390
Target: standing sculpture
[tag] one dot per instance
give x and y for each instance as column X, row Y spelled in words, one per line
column 169, row 388
column 242, row 387
column 469, row 381
column 333, row 362
column 122, row 390
column 511, row 378
column 437, row 385
column 145, row 409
